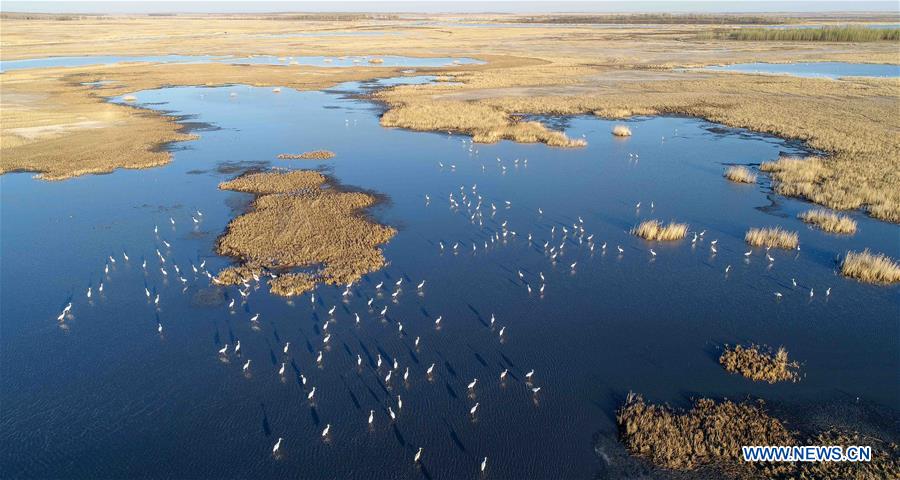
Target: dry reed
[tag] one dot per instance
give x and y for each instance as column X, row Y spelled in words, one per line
column 772, row 237
column 709, row 434
column 621, row 131
column 740, row 174
column 297, row 222
column 870, row 267
column 313, row 155
column 655, row 230
column 376, row 60
column 829, row 221
column 238, row 274
column 291, row 284
column 759, row 364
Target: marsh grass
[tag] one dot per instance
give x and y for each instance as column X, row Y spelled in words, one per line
column 829, row 221
column 376, row 60
column 709, row 433
column 772, row 237
column 824, row 34
column 740, row 174
column 655, row 230
column 760, row 364
column 300, row 220
column 291, row 284
column 238, row 274
column 870, row 267
column 621, row 131
column 313, row 155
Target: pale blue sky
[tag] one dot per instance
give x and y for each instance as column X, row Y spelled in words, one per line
column 434, row 6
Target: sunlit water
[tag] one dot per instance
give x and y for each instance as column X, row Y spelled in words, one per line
column 318, row 61
column 814, row 69
column 106, row 396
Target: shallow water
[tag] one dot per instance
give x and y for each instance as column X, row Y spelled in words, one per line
column 106, row 396
column 814, row 69
column 318, row 61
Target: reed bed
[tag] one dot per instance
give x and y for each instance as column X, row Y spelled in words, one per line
column 655, row 230
column 298, row 220
column 621, row 131
column 824, row 34
column 772, row 237
column 760, row 364
column 709, row 434
column 870, row 267
column 238, row 274
column 740, row 174
column 313, row 155
column 829, row 221
column 291, row 284
column 376, row 60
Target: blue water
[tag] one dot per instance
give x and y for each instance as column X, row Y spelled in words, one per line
column 105, row 396
column 319, row 61
column 814, row 69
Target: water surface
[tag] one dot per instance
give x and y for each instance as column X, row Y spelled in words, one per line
column 814, row 69
column 105, row 395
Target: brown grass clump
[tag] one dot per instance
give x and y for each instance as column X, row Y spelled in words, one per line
column 870, row 267
column 655, row 230
column 484, row 123
column 740, row 174
column 709, row 434
column 376, row 60
column 291, row 284
column 313, row 155
column 772, row 237
column 621, row 131
column 885, row 458
column 299, row 221
column 238, row 274
column 758, row 364
column 829, row 221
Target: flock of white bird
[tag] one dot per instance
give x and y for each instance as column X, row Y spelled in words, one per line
column 466, row 201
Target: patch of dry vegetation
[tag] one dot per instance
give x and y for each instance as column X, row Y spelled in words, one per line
column 238, row 274
column 712, row 434
column 655, row 230
column 485, row 124
column 772, row 237
column 870, row 267
column 313, row 155
column 760, row 364
column 291, row 284
column 297, row 220
column 740, row 174
column 621, row 131
column 824, row 34
column 709, row 434
column 829, row 221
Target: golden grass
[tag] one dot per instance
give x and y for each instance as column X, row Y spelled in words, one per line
column 759, row 364
column 485, row 124
column 712, row 434
column 655, row 230
column 621, row 131
column 740, row 174
column 870, row 267
column 709, row 434
column 297, row 220
column 824, row 34
column 238, row 274
column 772, row 237
column 376, row 60
column 291, row 284
column 313, row 155
column 829, row 221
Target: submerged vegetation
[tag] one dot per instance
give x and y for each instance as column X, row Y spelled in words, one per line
column 870, row 267
column 740, row 174
column 824, row 34
column 829, row 221
column 655, row 230
column 759, row 363
column 313, row 155
column 298, row 220
column 772, row 237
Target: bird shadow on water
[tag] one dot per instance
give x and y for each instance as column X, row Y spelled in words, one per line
column 267, row 430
